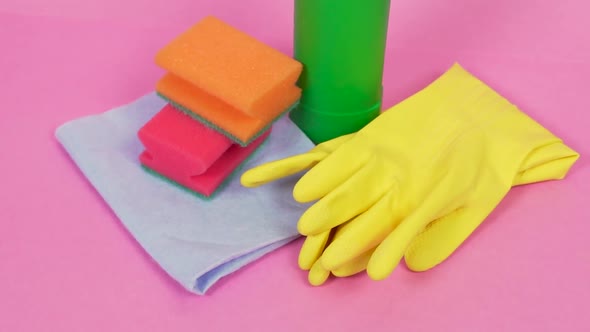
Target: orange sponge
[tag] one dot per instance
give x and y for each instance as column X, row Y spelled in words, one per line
column 228, row 80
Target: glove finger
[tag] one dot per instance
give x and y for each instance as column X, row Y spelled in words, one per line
column 357, row 194
column 318, row 275
column 277, row 169
column 453, row 184
column 362, row 233
column 550, row 162
column 355, row 266
column 439, row 202
column 441, row 238
column 312, row 249
column 330, row 172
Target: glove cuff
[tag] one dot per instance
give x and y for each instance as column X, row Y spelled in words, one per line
column 462, row 105
column 550, row 162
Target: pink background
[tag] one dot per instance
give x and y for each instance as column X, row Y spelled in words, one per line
column 67, row 264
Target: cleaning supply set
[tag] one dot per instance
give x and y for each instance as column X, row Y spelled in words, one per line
column 224, row 90
column 365, row 188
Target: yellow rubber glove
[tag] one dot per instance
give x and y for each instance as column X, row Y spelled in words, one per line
column 449, row 153
column 550, row 162
column 546, row 163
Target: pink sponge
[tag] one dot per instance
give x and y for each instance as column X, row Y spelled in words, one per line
column 189, row 153
column 175, row 138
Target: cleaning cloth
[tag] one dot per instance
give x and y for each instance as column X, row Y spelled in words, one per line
column 196, row 242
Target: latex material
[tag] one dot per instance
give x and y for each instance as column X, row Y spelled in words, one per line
column 546, row 163
column 427, row 173
column 341, row 45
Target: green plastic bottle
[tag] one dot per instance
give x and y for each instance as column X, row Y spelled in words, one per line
column 341, row 44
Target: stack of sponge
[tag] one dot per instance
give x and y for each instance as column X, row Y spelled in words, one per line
column 224, row 89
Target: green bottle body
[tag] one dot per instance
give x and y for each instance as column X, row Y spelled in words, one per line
column 341, row 44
